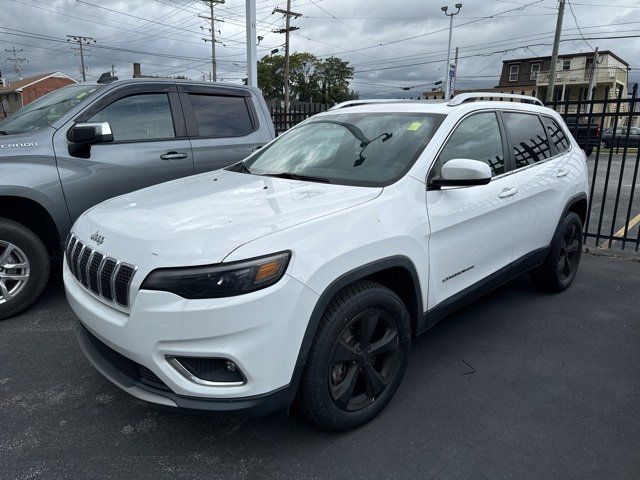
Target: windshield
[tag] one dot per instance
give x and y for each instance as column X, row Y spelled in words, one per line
column 47, row 109
column 371, row 149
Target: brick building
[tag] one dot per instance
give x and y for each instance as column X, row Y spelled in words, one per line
column 16, row 94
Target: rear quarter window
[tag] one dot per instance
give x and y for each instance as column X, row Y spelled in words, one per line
column 527, row 138
column 558, row 141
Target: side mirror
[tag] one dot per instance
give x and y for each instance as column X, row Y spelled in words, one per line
column 463, row 172
column 90, row 133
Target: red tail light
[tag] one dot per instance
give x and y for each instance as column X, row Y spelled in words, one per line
column 597, row 130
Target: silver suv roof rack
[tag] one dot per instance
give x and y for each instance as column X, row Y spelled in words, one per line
column 471, row 97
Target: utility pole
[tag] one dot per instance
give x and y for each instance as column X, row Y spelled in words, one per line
column 594, row 74
column 252, row 48
column 81, row 41
column 113, row 70
column 554, row 55
column 448, row 73
column 212, row 30
column 287, row 30
column 17, row 61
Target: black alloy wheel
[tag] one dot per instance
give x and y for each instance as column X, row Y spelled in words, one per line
column 365, row 358
column 570, row 248
column 357, row 358
column 561, row 265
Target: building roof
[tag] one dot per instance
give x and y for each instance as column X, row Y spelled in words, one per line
column 567, row 55
column 18, row 85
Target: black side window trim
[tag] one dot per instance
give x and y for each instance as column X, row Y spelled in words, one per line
column 190, row 117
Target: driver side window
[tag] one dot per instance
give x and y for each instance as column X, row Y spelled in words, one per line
column 477, row 137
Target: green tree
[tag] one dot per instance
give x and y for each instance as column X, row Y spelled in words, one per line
column 334, row 75
column 271, row 77
column 310, row 79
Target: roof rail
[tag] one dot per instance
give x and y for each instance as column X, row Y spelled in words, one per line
column 471, row 97
column 354, row 103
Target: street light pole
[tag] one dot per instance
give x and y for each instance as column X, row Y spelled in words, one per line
column 448, row 93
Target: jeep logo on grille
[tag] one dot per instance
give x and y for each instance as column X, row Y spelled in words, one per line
column 97, row 237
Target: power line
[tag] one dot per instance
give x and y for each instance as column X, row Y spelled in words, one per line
column 578, row 26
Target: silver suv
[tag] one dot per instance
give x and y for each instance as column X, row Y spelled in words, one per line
column 84, row 143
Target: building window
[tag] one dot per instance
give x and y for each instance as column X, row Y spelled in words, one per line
column 535, row 70
column 566, row 64
column 513, row 73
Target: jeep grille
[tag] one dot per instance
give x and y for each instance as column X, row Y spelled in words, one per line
column 104, row 276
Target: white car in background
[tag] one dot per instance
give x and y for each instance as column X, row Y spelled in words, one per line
column 308, row 269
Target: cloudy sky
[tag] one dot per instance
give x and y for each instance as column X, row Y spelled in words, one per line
column 392, row 44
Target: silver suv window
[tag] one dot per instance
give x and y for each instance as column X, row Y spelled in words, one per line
column 138, row 117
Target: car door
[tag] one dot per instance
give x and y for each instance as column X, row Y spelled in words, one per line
column 149, row 146
column 471, row 227
column 222, row 125
column 539, row 167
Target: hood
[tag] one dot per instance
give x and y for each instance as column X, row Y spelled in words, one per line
column 29, row 143
column 200, row 219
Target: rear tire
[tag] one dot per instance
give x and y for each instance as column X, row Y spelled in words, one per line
column 358, row 357
column 24, row 268
column 563, row 259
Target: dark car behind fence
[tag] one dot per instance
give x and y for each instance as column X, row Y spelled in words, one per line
column 606, row 128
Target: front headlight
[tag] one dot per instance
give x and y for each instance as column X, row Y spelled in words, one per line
column 221, row 280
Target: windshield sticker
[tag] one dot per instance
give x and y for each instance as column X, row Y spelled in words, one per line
column 18, row 145
column 81, row 95
column 414, row 126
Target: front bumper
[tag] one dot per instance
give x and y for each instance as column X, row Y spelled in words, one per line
column 126, row 374
column 261, row 332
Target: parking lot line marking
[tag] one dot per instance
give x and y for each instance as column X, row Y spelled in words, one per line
column 607, row 244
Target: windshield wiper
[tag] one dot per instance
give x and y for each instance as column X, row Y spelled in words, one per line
column 296, row 176
column 4, row 132
column 239, row 167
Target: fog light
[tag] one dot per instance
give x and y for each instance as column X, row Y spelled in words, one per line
column 208, row 371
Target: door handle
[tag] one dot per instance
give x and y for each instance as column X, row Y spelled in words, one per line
column 563, row 172
column 508, row 192
column 173, row 156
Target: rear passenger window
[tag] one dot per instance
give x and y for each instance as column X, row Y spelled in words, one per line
column 528, row 140
column 221, row 116
column 556, row 136
column 476, row 138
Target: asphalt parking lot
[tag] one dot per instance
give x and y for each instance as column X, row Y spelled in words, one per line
column 518, row 385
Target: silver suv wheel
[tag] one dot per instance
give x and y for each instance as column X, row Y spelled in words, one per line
column 14, row 271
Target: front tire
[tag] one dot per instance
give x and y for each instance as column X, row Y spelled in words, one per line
column 563, row 259
column 24, row 268
column 358, row 357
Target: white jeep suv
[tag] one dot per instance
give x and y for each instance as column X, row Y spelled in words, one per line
column 308, row 269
